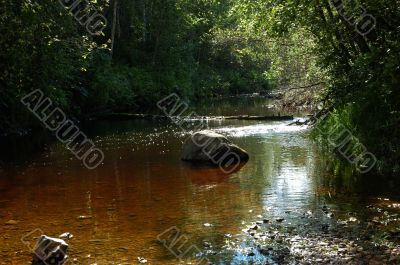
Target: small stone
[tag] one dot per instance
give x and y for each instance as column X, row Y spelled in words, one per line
column 206, row 244
column 280, row 220
column 342, row 250
column 142, row 260
column 11, row 222
column 84, row 217
column 264, row 251
column 352, row 219
column 66, row 236
column 325, row 227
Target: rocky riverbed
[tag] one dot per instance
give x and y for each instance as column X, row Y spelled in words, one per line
column 321, row 236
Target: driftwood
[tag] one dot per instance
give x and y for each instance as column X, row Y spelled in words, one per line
column 300, row 123
column 313, row 119
column 303, row 87
column 127, row 116
column 260, row 118
column 132, row 116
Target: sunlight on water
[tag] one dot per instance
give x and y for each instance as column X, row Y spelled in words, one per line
column 291, row 184
column 260, row 129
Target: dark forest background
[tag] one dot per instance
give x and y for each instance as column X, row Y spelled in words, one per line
column 206, row 48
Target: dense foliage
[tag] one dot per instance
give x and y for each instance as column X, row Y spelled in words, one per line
column 148, row 49
column 204, row 48
column 362, row 64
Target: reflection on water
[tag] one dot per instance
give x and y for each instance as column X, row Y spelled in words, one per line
column 116, row 211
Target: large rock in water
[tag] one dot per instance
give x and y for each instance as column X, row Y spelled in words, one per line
column 50, row 251
column 210, row 147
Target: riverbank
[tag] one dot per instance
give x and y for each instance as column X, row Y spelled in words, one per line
column 304, row 99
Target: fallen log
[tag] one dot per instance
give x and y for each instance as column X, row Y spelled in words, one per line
column 260, row 118
column 133, row 116
column 127, row 116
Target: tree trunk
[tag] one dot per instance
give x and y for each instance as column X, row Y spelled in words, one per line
column 144, row 21
column 361, row 43
column 114, row 24
column 332, row 37
column 338, row 32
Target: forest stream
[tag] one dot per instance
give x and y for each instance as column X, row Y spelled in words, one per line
column 282, row 207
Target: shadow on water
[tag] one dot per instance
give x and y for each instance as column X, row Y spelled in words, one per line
column 19, row 149
column 208, row 175
column 341, row 177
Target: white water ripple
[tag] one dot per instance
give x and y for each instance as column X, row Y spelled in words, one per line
column 259, row 129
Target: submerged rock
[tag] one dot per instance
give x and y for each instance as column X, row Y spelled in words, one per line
column 11, row 222
column 50, row 251
column 210, row 147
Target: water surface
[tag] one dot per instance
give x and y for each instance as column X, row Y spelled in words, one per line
column 116, row 211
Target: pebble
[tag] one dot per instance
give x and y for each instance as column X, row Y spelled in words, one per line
column 264, row 251
column 207, row 244
column 142, row 260
column 84, row 217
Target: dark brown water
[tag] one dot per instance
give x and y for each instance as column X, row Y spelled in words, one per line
column 117, row 211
